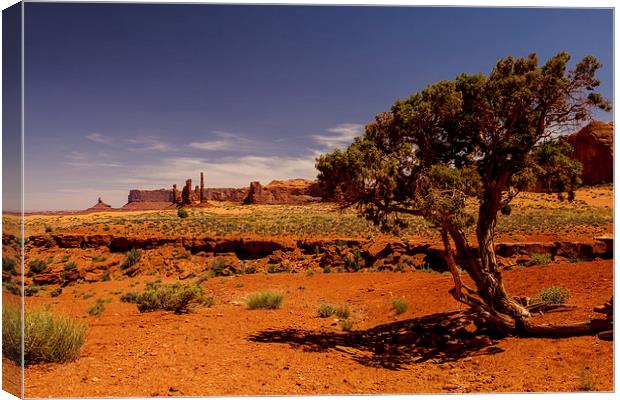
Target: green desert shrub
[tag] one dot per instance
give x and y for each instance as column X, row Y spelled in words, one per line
column 539, row 259
column 354, row 262
column 218, row 266
column 56, row 292
column 70, row 266
column 400, row 305
column 129, row 297
column 175, row 297
column 47, row 337
column 343, row 312
column 346, row 325
column 182, row 213
column 326, row 310
column 9, row 264
column 31, row 290
column 131, row 258
column 97, row 309
column 12, row 288
column 36, row 266
column 554, row 294
column 266, row 299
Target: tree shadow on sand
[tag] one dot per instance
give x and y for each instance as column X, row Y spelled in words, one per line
column 442, row 337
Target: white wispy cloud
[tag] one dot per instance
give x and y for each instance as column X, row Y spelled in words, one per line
column 339, row 136
column 149, row 143
column 100, row 138
column 224, row 141
column 87, row 160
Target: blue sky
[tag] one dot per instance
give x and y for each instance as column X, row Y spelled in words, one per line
column 122, row 96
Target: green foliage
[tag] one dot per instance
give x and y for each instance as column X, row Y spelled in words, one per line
column 32, row 289
column 131, row 258
column 539, row 259
column 400, row 305
column 47, row 337
column 354, row 263
column 12, row 288
column 176, row 297
column 346, row 325
column 65, row 258
column 97, row 309
column 266, row 299
column 247, row 268
column 475, row 136
column 48, row 229
column 106, row 276
column 218, row 266
column 9, row 264
column 343, row 312
column 326, row 310
column 36, row 266
column 554, row 295
column 182, row 213
column 70, row 266
column 129, row 297
column 56, row 292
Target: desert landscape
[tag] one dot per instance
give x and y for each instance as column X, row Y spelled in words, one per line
column 313, row 255
column 244, row 200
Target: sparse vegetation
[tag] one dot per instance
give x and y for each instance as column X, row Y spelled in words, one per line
column 176, row 297
column 266, row 299
column 539, row 259
column 32, row 289
column 9, row 264
column 182, row 213
column 400, row 305
column 326, row 310
column 12, row 288
column 97, row 309
column 129, row 297
column 554, row 295
column 36, row 266
column 343, row 312
column 218, row 266
column 346, row 325
column 131, row 258
column 47, row 337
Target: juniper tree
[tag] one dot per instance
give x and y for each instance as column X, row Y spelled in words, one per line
column 478, row 139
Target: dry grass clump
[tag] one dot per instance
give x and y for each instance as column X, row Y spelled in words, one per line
column 47, row 337
column 326, row 310
column 400, row 305
column 266, row 299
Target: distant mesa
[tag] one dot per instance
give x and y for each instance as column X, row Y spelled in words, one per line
column 293, row 191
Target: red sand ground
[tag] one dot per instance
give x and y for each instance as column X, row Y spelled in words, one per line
column 211, row 351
